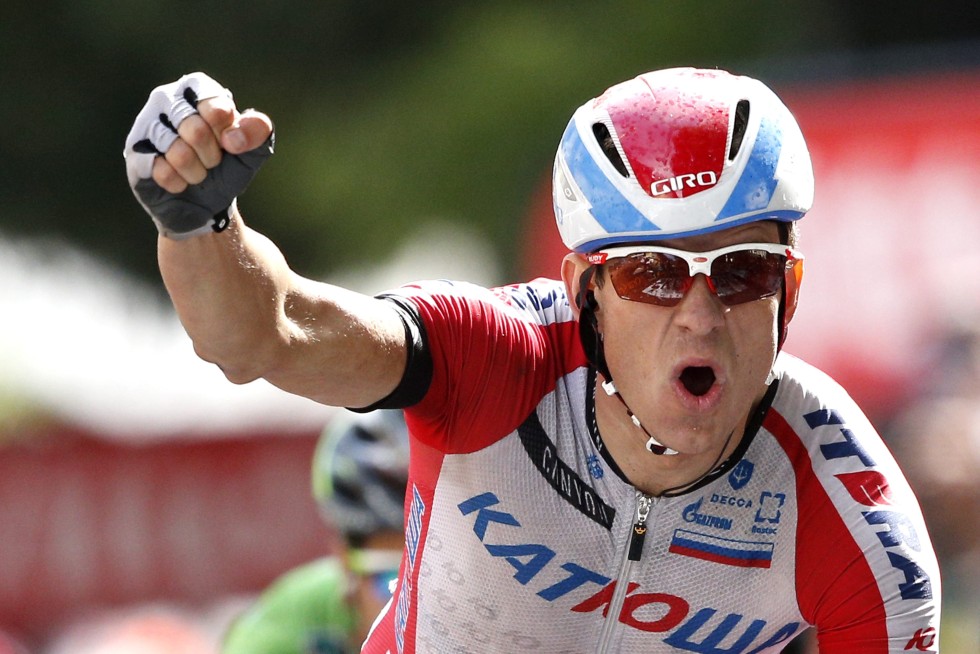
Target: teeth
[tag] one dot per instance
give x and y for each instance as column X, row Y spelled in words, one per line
column 698, row 380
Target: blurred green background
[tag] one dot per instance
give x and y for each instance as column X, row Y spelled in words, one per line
column 389, row 114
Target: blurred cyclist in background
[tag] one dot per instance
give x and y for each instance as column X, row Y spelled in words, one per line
column 327, row 606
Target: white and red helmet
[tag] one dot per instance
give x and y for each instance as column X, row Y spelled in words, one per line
column 678, row 152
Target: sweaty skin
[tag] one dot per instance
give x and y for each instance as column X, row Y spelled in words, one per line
column 648, row 348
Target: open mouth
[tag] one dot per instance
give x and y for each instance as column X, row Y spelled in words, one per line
column 697, row 380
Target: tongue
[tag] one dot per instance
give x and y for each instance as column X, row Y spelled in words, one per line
column 698, row 379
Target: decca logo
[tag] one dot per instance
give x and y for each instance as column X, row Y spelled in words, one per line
column 680, row 182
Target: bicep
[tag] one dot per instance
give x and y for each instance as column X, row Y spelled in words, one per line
column 339, row 347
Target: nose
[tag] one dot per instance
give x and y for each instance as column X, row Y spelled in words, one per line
column 700, row 312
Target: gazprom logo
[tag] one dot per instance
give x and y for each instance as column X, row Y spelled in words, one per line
column 681, row 182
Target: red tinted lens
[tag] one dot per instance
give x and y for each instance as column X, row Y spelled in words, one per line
column 663, row 279
column 747, row 275
column 651, row 277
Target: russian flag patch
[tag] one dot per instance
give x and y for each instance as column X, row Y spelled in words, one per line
column 727, row 551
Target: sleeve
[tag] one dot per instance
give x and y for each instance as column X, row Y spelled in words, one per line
column 484, row 359
column 866, row 596
column 866, row 574
column 418, row 366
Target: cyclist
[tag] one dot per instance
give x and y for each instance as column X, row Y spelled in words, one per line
column 327, row 606
column 623, row 460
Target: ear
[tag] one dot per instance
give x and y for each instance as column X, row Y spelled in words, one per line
column 794, row 279
column 572, row 267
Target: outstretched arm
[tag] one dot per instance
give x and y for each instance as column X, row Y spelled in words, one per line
column 242, row 306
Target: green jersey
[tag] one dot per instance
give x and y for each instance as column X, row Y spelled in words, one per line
column 302, row 612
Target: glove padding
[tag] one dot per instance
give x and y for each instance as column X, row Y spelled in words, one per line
column 201, row 208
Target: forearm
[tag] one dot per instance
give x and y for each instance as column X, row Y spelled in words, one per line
column 253, row 317
column 189, row 154
column 227, row 290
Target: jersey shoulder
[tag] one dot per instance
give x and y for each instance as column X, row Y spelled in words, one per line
column 841, row 442
column 860, row 524
column 541, row 301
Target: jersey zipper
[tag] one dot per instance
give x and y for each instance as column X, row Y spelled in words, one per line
column 634, row 550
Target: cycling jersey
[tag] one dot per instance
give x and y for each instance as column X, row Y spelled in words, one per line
column 522, row 535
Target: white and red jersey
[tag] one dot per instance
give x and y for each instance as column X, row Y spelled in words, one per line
column 522, row 536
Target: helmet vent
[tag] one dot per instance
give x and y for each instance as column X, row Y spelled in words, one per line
column 741, row 123
column 608, row 146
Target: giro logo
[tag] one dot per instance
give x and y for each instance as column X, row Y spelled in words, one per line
column 680, row 182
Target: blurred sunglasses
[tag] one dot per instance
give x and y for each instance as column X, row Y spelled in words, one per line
column 663, row 276
column 378, row 567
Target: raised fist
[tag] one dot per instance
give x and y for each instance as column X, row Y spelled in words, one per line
column 190, row 154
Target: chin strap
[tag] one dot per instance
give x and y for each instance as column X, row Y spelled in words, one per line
column 592, row 343
column 653, row 445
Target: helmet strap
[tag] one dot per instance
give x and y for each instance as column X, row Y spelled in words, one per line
column 781, row 318
column 588, row 323
column 592, row 344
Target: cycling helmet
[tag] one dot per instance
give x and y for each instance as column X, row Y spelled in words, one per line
column 360, row 471
column 678, row 152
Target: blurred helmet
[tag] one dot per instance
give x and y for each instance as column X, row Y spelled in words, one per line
column 360, row 471
column 678, row 152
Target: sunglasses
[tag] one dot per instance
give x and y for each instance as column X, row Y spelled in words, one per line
column 378, row 567
column 663, row 276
